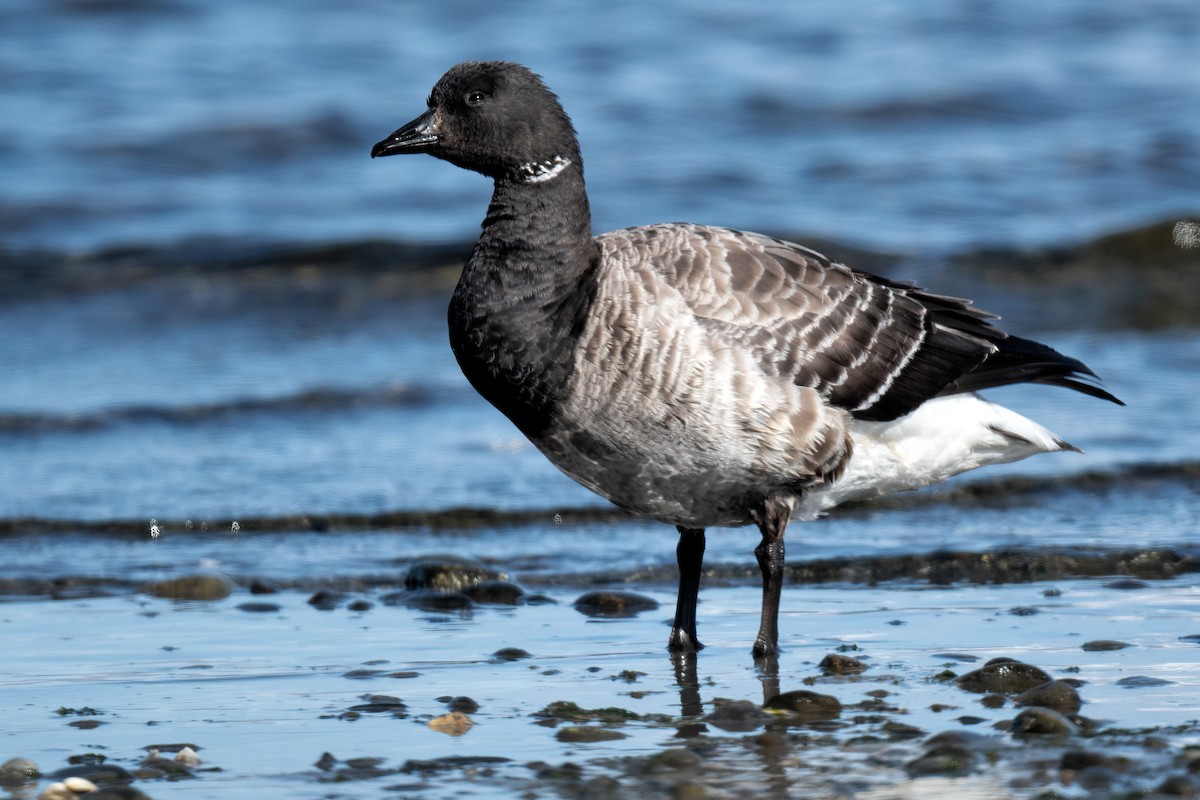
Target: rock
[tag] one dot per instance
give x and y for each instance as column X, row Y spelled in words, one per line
column 587, row 733
column 672, row 759
column 454, row 723
column 1041, row 722
column 806, row 704
column 496, row 592
column 464, row 704
column 326, row 599
column 1142, row 682
column 445, row 573
column 259, row 608
column 1024, row 611
column 1102, row 645
column 1058, row 696
column 1127, row 584
column 948, row 760
column 191, row 587
column 738, row 716
column 510, row 654
column 836, row 664
column 436, row 600
column 16, row 771
column 1179, row 786
column 614, row 603
column 1003, row 677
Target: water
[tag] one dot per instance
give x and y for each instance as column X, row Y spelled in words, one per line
column 220, row 320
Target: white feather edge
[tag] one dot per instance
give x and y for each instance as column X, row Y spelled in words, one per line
column 942, row 438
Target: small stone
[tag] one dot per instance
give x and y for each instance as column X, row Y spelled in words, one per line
column 1024, row 611
column 614, row 604
column 188, row 757
column 582, row 734
column 948, row 760
column 16, row 771
column 496, row 592
column 79, row 785
column 1142, row 682
column 510, row 654
column 464, row 704
column 260, row 586
column 191, row 587
column 1003, row 677
column 1179, row 786
column 436, row 600
column 454, row 723
column 326, row 599
column 992, row 701
column 738, row 716
column 836, row 664
column 1127, row 584
column 1041, row 722
column 672, row 759
column 1059, row 696
column 445, row 573
column 259, row 608
column 806, row 704
column 1102, row 645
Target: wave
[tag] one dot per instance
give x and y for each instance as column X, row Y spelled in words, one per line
column 1011, row 490
column 313, row 400
column 1145, row 277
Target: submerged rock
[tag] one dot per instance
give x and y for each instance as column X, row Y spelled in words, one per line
column 1102, row 645
column 1003, row 676
column 737, row 716
column 614, row 603
column 588, row 733
column 446, row 573
column 1059, row 696
column 1039, row 721
column 806, row 704
column 16, row 771
column 837, row 664
column 191, row 587
column 496, row 592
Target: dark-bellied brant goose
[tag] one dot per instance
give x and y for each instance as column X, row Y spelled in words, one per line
column 702, row 376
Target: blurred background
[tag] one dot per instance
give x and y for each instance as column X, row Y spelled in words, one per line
column 214, row 304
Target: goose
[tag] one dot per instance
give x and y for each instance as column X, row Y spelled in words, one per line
column 702, row 376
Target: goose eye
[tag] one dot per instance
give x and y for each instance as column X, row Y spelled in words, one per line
column 475, row 98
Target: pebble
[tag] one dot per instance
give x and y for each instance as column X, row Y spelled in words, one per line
column 1101, row 645
column 1003, row 676
column 496, row 592
column 1058, row 696
column 510, row 654
column 1041, row 722
column 836, row 664
column 16, row 771
column 326, row 599
column 455, row 723
column 433, row 600
column 259, row 608
column 67, row 789
column 614, row 603
column 738, row 716
column 191, row 587
column 1142, row 682
column 446, row 573
column 587, row 733
column 806, row 704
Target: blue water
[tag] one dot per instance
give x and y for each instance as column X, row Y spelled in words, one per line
column 900, row 126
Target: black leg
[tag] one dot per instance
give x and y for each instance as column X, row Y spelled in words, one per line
column 690, row 556
column 772, row 521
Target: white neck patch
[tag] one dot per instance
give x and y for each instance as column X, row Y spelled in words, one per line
column 543, row 171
